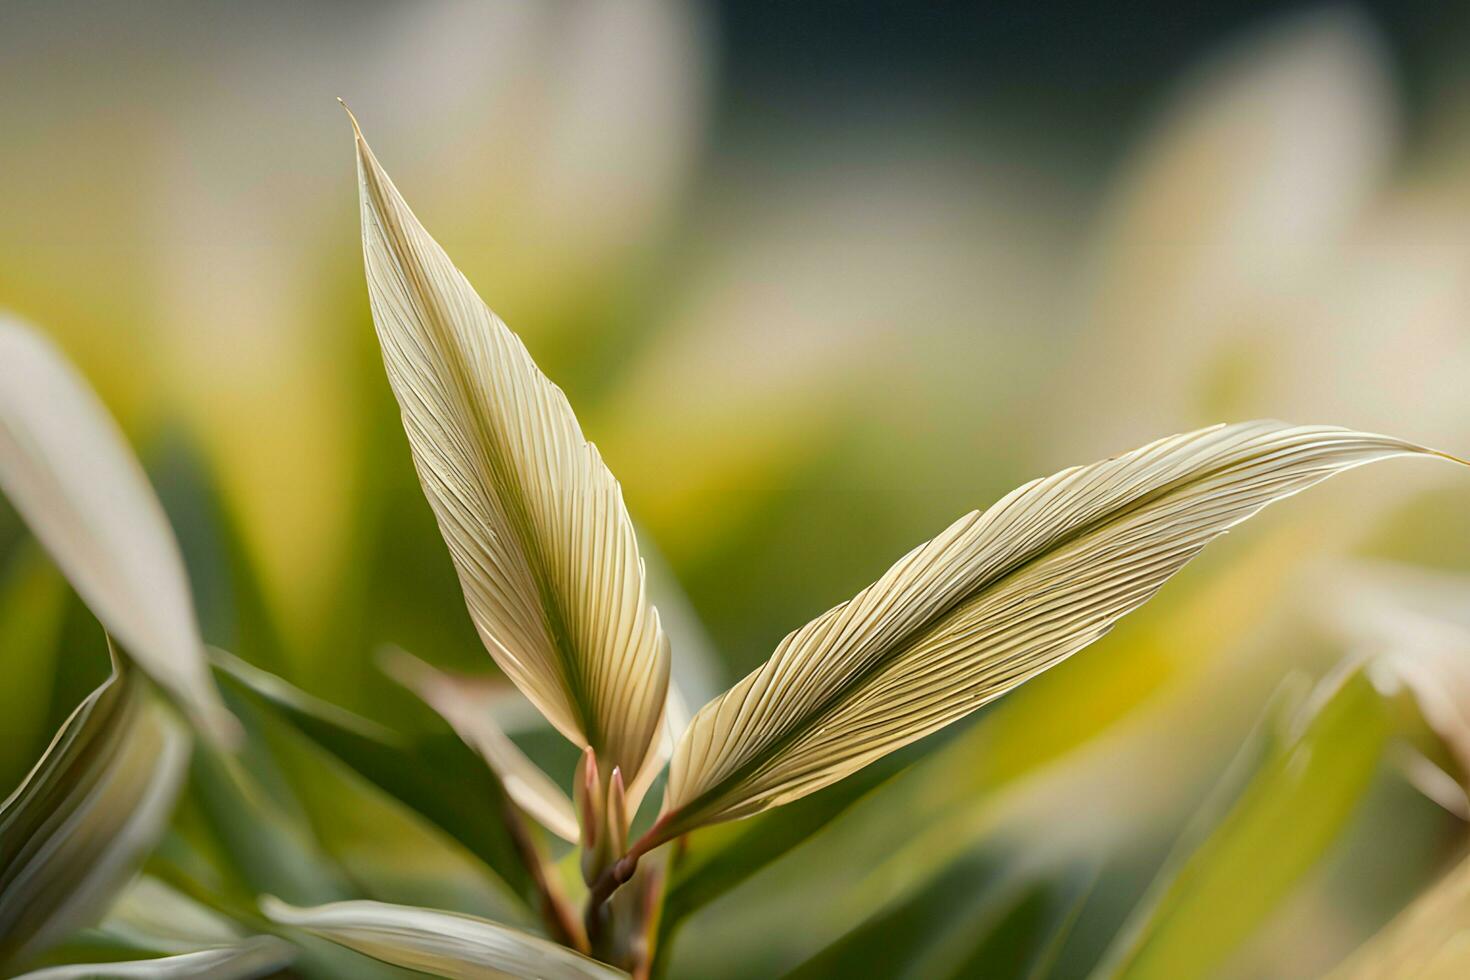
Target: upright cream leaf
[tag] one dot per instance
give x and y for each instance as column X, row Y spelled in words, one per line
column 534, row 520
column 68, row 471
column 992, row 601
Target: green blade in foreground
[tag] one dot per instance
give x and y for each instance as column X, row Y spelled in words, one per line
column 1205, row 906
column 437, row 777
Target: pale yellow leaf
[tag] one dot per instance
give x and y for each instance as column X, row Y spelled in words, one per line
column 992, row 601
column 467, row 712
column 534, row 520
column 1429, row 941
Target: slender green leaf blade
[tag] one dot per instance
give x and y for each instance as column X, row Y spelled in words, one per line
column 1205, row 905
column 437, row 777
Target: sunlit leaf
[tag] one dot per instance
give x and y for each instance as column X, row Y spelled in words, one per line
column 1414, row 626
column 96, row 802
column 445, row 944
column 1207, row 903
column 456, row 701
column 994, row 600
column 68, row 471
column 534, row 520
column 1429, row 941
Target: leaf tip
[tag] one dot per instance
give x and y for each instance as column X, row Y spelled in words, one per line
column 356, row 129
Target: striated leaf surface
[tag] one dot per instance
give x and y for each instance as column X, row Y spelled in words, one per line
column 96, row 802
column 992, row 601
column 534, row 520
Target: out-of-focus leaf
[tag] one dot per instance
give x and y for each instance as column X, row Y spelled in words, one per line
column 442, row 943
column 258, row 956
column 1430, row 940
column 436, row 776
column 68, row 471
column 457, row 703
column 720, row 858
column 960, row 786
column 1413, row 626
column 534, row 520
column 1256, row 174
column 390, row 851
column 1213, row 898
column 264, row 841
column 992, row 601
column 32, row 602
column 980, row 918
column 82, row 821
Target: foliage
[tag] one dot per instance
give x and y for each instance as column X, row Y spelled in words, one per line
column 584, row 860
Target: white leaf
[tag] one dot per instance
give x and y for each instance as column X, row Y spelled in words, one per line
column 445, row 944
column 467, row 713
column 992, row 601
column 66, row 468
column 534, row 520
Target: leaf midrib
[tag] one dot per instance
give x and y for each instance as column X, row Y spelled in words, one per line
column 860, row 678
column 553, row 616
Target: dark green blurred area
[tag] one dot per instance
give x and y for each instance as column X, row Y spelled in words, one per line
column 817, row 278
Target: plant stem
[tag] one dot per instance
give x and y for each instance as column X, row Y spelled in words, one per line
column 619, row 873
column 557, row 913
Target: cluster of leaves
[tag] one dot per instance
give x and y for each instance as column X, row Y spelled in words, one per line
column 547, row 558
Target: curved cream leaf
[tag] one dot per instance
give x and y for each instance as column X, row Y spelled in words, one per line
column 1413, row 627
column 467, row 713
column 534, row 520
column 96, row 802
column 1430, row 940
column 258, row 956
column 70, row 474
column 445, row 944
column 992, row 601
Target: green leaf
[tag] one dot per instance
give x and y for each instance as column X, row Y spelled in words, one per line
column 32, row 604
column 985, row 916
column 437, row 777
column 1205, row 904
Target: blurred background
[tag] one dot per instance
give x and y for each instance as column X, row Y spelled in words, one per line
column 818, row 278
